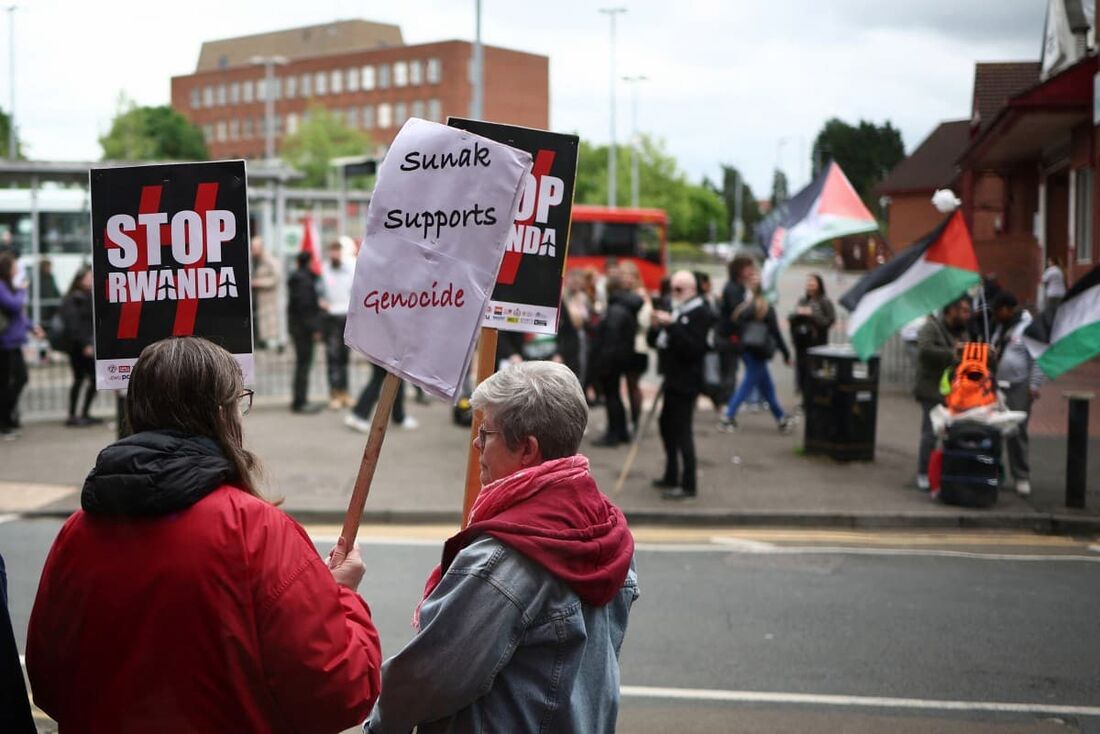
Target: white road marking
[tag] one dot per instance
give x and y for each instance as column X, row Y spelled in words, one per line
column 814, row 699
column 1094, row 548
column 8, row 518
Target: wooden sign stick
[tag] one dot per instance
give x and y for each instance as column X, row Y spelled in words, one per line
column 486, row 366
column 377, row 435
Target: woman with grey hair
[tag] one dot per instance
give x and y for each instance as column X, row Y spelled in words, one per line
column 533, row 596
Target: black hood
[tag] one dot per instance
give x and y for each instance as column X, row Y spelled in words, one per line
column 629, row 300
column 154, row 473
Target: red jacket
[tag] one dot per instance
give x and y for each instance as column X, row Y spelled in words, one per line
column 221, row 617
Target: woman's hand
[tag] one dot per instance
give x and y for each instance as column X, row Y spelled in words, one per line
column 347, row 566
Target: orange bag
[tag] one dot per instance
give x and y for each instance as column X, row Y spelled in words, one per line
column 973, row 385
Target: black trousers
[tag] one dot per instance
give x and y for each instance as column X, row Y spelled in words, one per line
column 728, row 360
column 83, row 368
column 303, row 363
column 616, row 411
column 336, row 352
column 369, row 397
column 677, row 436
column 13, row 378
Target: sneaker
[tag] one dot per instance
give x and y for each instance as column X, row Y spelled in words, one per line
column 307, row 409
column 90, row 420
column 663, row 483
column 922, row 482
column 1023, row 487
column 73, row 422
column 355, row 423
column 786, row 424
column 727, row 425
column 410, row 423
column 677, row 493
column 9, row 434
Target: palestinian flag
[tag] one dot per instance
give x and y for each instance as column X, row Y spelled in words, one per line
column 311, row 243
column 827, row 208
column 925, row 276
column 1071, row 335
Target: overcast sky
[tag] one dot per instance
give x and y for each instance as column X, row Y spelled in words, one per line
column 740, row 81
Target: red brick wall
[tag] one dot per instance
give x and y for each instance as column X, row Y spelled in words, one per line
column 517, row 88
column 911, row 216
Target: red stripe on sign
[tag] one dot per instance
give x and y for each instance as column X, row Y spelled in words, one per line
column 130, row 317
column 186, row 310
column 509, row 266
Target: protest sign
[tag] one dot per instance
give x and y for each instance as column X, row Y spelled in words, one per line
column 437, row 225
column 170, row 257
column 527, row 294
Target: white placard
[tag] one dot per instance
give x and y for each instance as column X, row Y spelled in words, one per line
column 437, row 225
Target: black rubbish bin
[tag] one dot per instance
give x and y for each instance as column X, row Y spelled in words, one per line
column 841, row 405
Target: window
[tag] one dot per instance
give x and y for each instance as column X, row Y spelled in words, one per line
column 400, row 74
column 418, row 108
column 435, row 71
column 384, row 76
column 277, row 87
column 416, row 73
column 261, row 90
column 247, row 133
column 196, row 98
column 385, row 115
column 221, row 95
column 208, row 133
column 368, row 78
column 208, row 96
column 400, row 114
column 307, row 80
column 246, row 92
column 353, row 79
column 221, row 131
column 337, row 81
column 291, row 87
column 235, row 93
column 368, row 117
column 435, row 110
column 234, row 129
column 351, row 117
column 320, row 83
column 1084, row 191
column 291, row 123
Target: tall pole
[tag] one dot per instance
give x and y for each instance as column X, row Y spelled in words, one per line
column 634, row 140
column 738, row 228
column 11, row 70
column 611, row 170
column 477, row 100
column 269, row 63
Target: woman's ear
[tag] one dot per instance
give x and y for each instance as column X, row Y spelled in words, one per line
column 530, row 453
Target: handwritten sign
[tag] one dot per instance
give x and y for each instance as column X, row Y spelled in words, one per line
column 437, row 225
column 170, row 257
column 528, row 288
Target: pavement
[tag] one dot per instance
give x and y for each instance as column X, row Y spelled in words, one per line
column 756, row 476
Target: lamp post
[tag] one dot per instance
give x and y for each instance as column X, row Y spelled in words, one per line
column 269, row 63
column 12, row 155
column 634, row 177
column 611, row 171
column 477, row 70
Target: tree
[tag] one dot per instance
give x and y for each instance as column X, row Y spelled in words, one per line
column 750, row 210
column 691, row 208
column 867, row 153
column 151, row 134
column 5, row 125
column 320, row 138
column 780, row 194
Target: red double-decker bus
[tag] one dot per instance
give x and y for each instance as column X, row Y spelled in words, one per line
column 600, row 233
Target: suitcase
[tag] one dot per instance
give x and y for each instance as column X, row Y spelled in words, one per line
column 970, row 472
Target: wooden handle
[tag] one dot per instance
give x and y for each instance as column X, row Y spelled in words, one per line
column 486, row 366
column 377, row 435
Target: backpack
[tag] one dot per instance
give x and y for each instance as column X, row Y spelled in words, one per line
column 57, row 335
column 972, row 386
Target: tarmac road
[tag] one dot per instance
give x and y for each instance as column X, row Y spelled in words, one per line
column 773, row 630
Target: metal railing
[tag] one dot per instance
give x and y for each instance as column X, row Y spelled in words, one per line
column 897, row 358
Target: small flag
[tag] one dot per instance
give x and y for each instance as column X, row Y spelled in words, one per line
column 827, row 208
column 310, row 244
column 925, row 276
column 1061, row 340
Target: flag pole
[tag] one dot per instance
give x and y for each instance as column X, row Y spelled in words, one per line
column 377, row 435
column 486, row 366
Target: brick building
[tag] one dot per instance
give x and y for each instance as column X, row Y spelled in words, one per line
column 360, row 71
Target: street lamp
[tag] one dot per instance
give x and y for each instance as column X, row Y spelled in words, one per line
column 611, row 13
column 11, row 70
column 269, row 63
column 634, row 183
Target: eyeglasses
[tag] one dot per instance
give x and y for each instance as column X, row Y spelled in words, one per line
column 678, row 289
column 244, row 401
column 481, row 434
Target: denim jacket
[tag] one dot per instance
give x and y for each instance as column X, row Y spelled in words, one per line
column 504, row 646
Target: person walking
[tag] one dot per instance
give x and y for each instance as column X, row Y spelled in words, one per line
column 937, row 348
column 1015, row 366
column 265, row 294
column 521, row 624
column 360, row 416
column 14, row 326
column 304, row 319
column 615, row 353
column 760, row 338
column 78, row 327
column 337, row 274
column 178, row 599
column 813, row 316
column 726, row 335
column 1054, row 284
column 680, row 337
